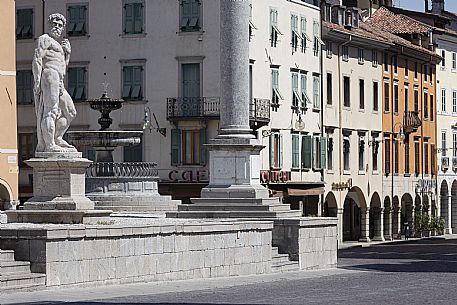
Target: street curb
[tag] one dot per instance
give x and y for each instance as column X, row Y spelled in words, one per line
column 396, row 241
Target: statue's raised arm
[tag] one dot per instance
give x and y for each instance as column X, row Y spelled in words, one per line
column 53, row 105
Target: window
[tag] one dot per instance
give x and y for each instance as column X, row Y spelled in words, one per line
column 133, row 18
column 425, row 73
column 396, row 156
column 375, row 96
column 454, row 144
column 416, row 100
column 296, row 96
column 386, row 63
column 374, row 58
column 406, row 94
column 187, row 147
column 295, row 151
column 320, row 152
column 190, row 15
column 454, row 61
column 345, row 51
column 317, row 40
column 360, row 56
column 426, row 158
column 316, row 92
column 304, row 90
column 132, row 82
column 133, row 153
column 26, row 147
column 307, row 152
column 361, row 154
column 395, row 64
column 329, row 89
column 443, row 61
column 328, row 49
column 432, row 109
column 295, row 34
column 24, row 23
column 375, row 154
column 387, row 156
column 274, row 31
column 304, row 35
column 431, row 75
column 443, row 144
column 24, row 87
column 330, row 153
column 416, row 157
column 347, row 91
column 361, row 94
column 416, row 71
column 406, row 68
column 386, row 96
column 454, row 101
column 276, row 95
column 406, row 145
column 77, row 20
column 432, row 159
column 77, row 83
column 395, row 97
column 425, row 105
column 346, row 154
column 443, row 100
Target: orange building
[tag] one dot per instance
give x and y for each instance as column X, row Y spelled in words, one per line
column 409, row 119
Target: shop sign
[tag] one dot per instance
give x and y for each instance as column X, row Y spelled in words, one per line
column 267, row 176
column 188, row 176
column 341, row 186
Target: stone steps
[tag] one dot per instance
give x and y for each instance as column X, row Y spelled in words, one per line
column 281, row 263
column 235, row 201
column 16, row 275
column 234, row 214
column 197, row 207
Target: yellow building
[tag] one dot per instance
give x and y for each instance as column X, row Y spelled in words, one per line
column 8, row 122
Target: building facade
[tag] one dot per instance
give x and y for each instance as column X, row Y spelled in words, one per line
column 166, row 65
column 8, row 140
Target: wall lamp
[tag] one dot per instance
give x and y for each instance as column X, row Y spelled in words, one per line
column 147, row 122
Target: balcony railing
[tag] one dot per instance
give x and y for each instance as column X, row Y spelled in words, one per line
column 444, row 163
column 411, row 121
column 123, row 169
column 192, row 107
column 259, row 110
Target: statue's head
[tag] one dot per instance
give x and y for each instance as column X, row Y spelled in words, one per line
column 57, row 23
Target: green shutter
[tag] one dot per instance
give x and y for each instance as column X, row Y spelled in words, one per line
column 281, row 150
column 127, row 82
column 128, row 18
column 72, row 81
column 138, row 17
column 272, row 155
column 307, row 151
column 175, row 147
column 203, row 150
column 295, row 152
column 323, row 149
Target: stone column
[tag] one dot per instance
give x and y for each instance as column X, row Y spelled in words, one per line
column 340, row 224
column 389, row 225
column 449, row 216
column 379, row 226
column 365, row 225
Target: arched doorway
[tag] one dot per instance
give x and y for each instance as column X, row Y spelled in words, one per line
column 396, row 218
column 330, row 207
column 387, row 219
column 407, row 207
column 444, row 204
column 376, row 230
column 5, row 197
column 354, row 209
column 454, row 206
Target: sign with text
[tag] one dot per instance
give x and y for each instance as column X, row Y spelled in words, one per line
column 267, row 176
column 341, row 186
column 188, row 175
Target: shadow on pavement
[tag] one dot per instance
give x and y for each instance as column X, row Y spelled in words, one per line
column 435, row 255
column 123, row 303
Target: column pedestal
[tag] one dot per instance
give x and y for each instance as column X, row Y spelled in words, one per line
column 379, row 226
column 365, row 226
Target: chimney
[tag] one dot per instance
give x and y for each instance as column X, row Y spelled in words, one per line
column 437, row 6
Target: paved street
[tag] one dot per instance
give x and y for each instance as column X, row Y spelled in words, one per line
column 417, row 272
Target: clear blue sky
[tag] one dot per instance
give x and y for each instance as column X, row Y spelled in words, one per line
column 418, row 5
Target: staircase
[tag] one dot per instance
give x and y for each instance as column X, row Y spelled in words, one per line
column 16, row 275
column 235, row 208
column 280, row 262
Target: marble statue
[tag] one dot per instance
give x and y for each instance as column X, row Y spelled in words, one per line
column 53, row 105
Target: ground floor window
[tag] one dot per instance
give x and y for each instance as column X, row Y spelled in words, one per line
column 187, row 147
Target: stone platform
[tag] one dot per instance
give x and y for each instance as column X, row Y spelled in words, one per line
column 58, row 216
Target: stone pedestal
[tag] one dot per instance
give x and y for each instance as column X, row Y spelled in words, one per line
column 59, row 191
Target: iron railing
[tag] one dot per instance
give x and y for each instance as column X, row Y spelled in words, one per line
column 444, row 163
column 259, row 110
column 411, row 121
column 122, row 169
column 191, row 107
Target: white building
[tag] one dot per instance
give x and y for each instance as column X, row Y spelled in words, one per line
column 163, row 57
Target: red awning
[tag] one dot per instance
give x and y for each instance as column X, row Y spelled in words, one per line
column 307, row 192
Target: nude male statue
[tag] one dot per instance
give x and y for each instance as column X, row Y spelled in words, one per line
column 53, row 105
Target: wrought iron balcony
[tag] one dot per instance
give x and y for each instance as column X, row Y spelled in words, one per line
column 259, row 112
column 181, row 108
column 444, row 163
column 411, row 121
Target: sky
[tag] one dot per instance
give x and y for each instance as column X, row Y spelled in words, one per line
column 418, row 5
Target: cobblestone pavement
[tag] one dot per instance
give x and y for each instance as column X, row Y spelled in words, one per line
column 415, row 272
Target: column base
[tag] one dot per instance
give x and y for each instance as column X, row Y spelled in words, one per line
column 387, row 237
column 364, row 239
column 378, row 238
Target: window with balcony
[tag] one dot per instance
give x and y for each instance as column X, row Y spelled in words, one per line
column 187, row 147
column 443, row 100
column 295, row 151
column 347, row 91
column 361, row 94
column 329, row 89
column 132, row 82
column 191, row 16
column 295, row 35
column 24, row 87
column 386, row 96
column 77, row 83
column 375, row 96
column 133, row 18
column 24, row 23
column 274, row 30
column 77, row 20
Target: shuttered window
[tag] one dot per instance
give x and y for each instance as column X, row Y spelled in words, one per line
column 387, row 156
column 24, row 87
column 276, row 150
column 307, row 152
column 24, row 23
column 188, row 147
column 77, row 82
column 132, row 88
column 190, row 15
column 295, row 151
column 133, row 18
column 77, row 20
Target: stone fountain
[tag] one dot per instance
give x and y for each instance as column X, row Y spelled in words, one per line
column 119, row 186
